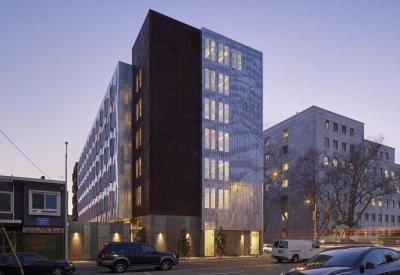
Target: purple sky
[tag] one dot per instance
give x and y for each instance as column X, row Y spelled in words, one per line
column 57, row 58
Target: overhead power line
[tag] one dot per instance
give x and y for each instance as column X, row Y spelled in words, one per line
column 24, row 154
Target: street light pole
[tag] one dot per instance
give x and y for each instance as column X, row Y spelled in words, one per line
column 66, row 206
column 315, row 221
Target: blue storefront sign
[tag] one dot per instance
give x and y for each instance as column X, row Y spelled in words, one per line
column 43, row 221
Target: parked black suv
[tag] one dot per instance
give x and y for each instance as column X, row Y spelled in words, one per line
column 117, row 256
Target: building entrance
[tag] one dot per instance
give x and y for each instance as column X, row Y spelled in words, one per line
column 208, row 242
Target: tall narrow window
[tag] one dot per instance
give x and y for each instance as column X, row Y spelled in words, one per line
column 351, row 132
column 239, row 61
column 207, row 79
column 226, row 114
column 207, row 198
column 326, row 142
column 207, row 143
column 213, row 76
column 220, row 83
column 213, row 140
column 137, row 140
column 226, row 199
column 221, row 170
column 140, row 78
column 335, row 127
column 221, row 141
column 212, row 198
column 213, row 172
column 220, row 199
column 266, row 141
column 335, row 162
column 137, row 83
column 207, row 168
column 343, row 129
column 213, row 51
column 207, row 48
column 285, row 166
column 343, row 146
column 285, row 133
column 138, row 195
column 234, row 62
column 226, row 56
column 221, row 112
column 140, row 137
column 226, row 142
column 212, row 116
column 266, row 157
column 326, row 124
column 140, row 107
column 226, row 170
column 335, row 144
column 226, row 85
column 285, row 183
column 220, row 53
column 206, row 108
column 326, row 160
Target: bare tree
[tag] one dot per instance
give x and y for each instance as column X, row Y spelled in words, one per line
column 355, row 180
column 309, row 176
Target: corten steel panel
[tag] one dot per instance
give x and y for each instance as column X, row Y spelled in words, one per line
column 168, row 52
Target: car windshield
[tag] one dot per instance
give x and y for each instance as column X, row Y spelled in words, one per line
column 339, row 257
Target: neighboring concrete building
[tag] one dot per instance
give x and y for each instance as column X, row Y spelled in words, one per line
column 332, row 133
column 32, row 216
column 186, row 151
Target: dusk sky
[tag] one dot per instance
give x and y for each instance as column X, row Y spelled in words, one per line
column 57, row 58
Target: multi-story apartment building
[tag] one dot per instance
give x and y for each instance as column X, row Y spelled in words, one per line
column 177, row 141
column 332, row 134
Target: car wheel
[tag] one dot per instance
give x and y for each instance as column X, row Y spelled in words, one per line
column 279, row 260
column 166, row 265
column 119, row 267
column 58, row 270
column 295, row 258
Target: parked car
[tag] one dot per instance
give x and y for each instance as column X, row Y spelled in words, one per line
column 366, row 260
column 267, row 247
column 118, row 256
column 33, row 264
column 294, row 250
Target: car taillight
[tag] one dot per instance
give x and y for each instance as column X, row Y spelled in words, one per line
column 103, row 256
column 287, row 245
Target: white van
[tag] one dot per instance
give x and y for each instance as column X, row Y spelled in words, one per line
column 294, row 250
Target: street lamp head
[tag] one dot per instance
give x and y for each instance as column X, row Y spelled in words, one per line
column 66, row 143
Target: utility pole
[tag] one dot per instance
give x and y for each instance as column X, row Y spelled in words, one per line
column 66, row 205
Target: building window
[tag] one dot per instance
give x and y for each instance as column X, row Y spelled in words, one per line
column 138, row 109
column 221, row 112
column 335, row 127
column 326, row 124
column 335, row 161
column 206, row 108
column 285, row 149
column 386, row 218
column 366, row 216
column 386, row 203
column 207, row 49
column 373, row 202
column 221, row 170
column 213, row 81
column 266, row 156
column 138, row 167
column 392, row 218
column 213, row 169
column 212, row 110
column 386, row 173
column 351, row 132
column 6, row 202
column 392, row 204
column 343, row 129
column 207, row 79
column 138, row 195
column 266, row 141
column 239, row 60
column 234, row 59
column 326, row 160
column 285, row 216
column 139, row 138
column 227, row 199
column 285, row 133
column 373, row 217
column 220, row 83
column 221, row 53
column 380, row 202
column 344, row 146
column 226, row 142
column 207, row 198
column 351, row 148
column 226, row 113
column 366, row 200
column 213, row 50
column 226, row 56
column 392, row 175
column 212, row 204
column 335, row 144
column 387, row 156
column 220, row 199
column 379, row 217
column 285, row 183
column 326, row 142
column 226, row 170
column 207, row 168
column 226, row 84
column 44, row 203
column 285, row 166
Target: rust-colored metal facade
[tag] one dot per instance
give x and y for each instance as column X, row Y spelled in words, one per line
column 168, row 54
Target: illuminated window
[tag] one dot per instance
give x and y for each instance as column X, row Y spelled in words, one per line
column 285, row 133
column 373, row 202
column 335, row 162
column 239, row 60
column 326, row 124
column 212, row 198
column 213, row 172
column 207, row 48
column 226, row 142
column 380, row 202
column 137, row 83
column 207, row 168
column 220, row 83
column 213, row 51
column 212, row 115
column 138, row 195
column 207, row 143
column 226, row 56
column 220, row 53
column 234, row 61
column 221, row 141
column 138, row 167
column 226, row 113
column 285, row 166
column 226, row 199
column 221, row 170
column 138, row 109
column 386, row 173
column 326, row 160
column 285, row 216
column 366, row 200
column 213, row 76
column 266, row 141
column 221, row 112
column 266, row 157
column 140, row 78
column 285, row 183
column 213, row 146
column 139, row 138
column 393, row 175
column 207, row 79
column 226, row 170
column 206, row 108
column 220, row 199
column 207, row 198
column 226, row 84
